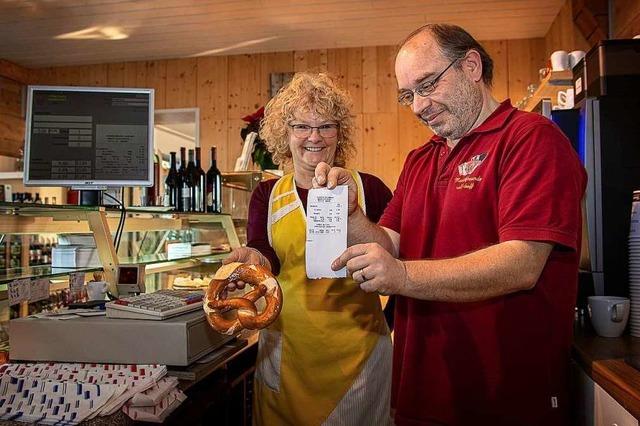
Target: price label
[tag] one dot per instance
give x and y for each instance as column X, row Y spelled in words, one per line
column 18, row 291
column 76, row 282
column 39, row 289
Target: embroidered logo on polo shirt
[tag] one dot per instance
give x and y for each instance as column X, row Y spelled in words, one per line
column 464, row 181
column 465, row 169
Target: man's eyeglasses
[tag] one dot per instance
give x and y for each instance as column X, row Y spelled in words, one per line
column 329, row 130
column 423, row 89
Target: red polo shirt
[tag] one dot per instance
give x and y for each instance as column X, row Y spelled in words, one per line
column 501, row 361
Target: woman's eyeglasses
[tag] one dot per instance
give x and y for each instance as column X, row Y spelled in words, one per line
column 423, row 89
column 329, row 130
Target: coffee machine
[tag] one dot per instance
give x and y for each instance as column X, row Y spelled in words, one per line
column 604, row 128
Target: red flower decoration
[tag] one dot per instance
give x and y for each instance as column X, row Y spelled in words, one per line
column 256, row 116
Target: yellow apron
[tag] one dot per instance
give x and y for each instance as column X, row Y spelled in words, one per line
column 311, row 355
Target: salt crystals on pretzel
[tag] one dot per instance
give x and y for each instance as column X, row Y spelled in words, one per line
column 247, row 316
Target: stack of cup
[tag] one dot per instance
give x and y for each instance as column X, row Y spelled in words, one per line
column 634, row 264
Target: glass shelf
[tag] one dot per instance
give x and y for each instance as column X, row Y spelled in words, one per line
column 17, row 208
column 35, row 272
column 163, row 258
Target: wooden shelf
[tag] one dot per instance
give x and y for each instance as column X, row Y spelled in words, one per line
column 549, row 88
column 10, row 175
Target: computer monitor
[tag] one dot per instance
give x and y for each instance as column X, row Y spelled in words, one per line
column 89, row 137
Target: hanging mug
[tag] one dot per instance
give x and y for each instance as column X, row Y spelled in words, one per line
column 565, row 99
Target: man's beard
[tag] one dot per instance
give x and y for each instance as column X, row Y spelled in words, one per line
column 463, row 110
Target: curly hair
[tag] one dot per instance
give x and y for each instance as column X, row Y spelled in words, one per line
column 308, row 92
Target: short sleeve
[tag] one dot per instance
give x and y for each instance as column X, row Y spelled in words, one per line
column 541, row 187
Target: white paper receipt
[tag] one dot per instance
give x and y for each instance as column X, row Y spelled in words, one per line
column 326, row 231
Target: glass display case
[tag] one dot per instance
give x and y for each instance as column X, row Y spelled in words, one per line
column 107, row 239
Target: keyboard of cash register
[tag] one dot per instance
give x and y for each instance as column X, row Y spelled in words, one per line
column 159, row 305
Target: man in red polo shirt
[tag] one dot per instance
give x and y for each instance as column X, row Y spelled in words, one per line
column 486, row 221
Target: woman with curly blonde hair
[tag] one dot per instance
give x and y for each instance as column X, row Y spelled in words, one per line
column 327, row 358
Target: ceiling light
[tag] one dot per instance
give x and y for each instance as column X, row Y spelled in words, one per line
column 95, row 33
column 235, row 46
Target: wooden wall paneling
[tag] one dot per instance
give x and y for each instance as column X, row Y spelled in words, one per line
column 11, row 96
column 212, row 100
column 15, row 72
column 626, row 18
column 561, row 35
column 115, row 74
column 357, row 160
column 226, row 88
column 244, row 85
column 379, row 92
column 497, row 49
column 338, row 66
column 412, row 133
column 310, row 60
column 130, row 78
column 526, row 57
column 580, row 43
column 38, row 75
column 379, row 146
column 141, row 74
column 11, row 134
column 11, row 117
column 354, row 77
column 182, row 81
column 273, row 63
column 157, row 79
column 66, row 76
column 94, row 75
column 234, row 142
column 387, row 87
column 369, row 79
column 244, row 98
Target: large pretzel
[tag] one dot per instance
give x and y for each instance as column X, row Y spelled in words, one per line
column 264, row 285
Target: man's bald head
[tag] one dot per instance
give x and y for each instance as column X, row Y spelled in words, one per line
column 452, row 41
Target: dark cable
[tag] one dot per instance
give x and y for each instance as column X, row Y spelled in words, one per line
column 120, row 227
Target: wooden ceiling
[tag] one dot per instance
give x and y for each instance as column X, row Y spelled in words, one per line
column 39, row 33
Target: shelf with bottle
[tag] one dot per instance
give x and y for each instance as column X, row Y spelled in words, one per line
column 188, row 188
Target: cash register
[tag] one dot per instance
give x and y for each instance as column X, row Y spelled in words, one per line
column 166, row 327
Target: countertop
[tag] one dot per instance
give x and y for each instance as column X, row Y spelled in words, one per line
column 193, row 388
column 602, row 358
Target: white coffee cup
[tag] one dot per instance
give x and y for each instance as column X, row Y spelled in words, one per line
column 575, row 57
column 609, row 314
column 97, row 290
column 565, row 99
column 560, row 60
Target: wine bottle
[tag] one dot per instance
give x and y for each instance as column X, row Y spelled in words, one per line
column 181, row 172
column 152, row 192
column 214, row 186
column 199, row 187
column 173, row 185
column 187, row 184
